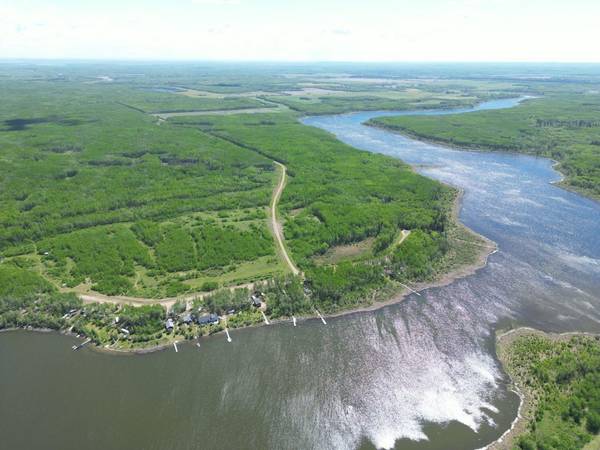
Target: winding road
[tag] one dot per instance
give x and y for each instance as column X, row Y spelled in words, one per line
column 275, row 225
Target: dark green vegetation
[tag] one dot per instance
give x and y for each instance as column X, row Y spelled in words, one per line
column 562, row 126
column 561, row 376
column 26, row 299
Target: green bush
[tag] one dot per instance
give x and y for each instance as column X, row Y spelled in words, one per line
column 208, row 286
column 17, row 282
column 593, row 422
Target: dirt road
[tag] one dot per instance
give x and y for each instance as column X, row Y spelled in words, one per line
column 275, row 225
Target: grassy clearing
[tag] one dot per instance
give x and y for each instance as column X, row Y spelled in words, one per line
column 350, row 252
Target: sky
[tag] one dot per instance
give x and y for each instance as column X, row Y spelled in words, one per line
column 302, row 30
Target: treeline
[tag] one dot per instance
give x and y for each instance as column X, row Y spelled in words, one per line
column 285, row 296
column 220, row 246
column 27, row 299
column 104, row 255
column 203, row 246
column 416, row 258
column 578, row 123
column 225, row 300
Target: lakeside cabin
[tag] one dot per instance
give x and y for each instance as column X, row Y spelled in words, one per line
column 208, row 319
column 256, row 299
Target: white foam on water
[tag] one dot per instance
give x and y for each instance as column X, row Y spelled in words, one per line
column 513, row 192
column 419, row 384
column 506, row 221
column 580, row 262
column 561, row 200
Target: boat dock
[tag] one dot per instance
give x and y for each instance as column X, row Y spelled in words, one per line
column 265, row 317
column 320, row 316
column 410, row 289
column 77, row 347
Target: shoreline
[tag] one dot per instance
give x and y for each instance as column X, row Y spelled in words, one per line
column 519, row 425
column 561, row 183
column 444, row 279
column 396, row 295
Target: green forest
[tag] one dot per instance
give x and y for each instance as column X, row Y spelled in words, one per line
column 562, row 377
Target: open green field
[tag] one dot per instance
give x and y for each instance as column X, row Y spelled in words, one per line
column 564, row 126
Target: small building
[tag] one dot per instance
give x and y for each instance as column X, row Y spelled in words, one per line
column 187, row 318
column 256, row 299
column 306, row 287
column 208, row 319
column 169, row 325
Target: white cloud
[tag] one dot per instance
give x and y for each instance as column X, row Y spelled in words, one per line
column 380, row 30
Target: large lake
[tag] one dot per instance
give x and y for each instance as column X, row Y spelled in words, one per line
column 417, row 375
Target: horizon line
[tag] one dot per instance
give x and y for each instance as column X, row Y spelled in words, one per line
column 283, row 61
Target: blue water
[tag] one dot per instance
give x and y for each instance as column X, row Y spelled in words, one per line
column 547, row 270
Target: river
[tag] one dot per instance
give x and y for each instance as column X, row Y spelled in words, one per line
column 417, row 375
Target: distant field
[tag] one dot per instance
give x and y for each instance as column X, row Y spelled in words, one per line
column 149, row 101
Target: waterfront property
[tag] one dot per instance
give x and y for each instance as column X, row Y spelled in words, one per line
column 208, row 319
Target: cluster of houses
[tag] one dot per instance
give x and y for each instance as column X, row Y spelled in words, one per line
column 190, row 317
